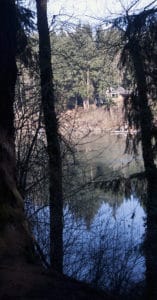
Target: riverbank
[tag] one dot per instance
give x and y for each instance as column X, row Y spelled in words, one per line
column 79, row 123
column 25, row 282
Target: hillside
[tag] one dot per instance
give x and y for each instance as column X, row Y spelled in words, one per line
column 25, row 281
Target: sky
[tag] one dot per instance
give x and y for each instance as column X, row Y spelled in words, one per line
column 92, row 10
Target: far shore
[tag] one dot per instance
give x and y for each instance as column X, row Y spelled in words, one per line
column 79, row 123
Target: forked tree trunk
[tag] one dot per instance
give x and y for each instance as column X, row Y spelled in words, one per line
column 53, row 145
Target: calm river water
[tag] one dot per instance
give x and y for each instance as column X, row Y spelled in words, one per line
column 103, row 229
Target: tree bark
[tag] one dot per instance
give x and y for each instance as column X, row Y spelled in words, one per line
column 53, row 144
column 150, row 244
column 15, row 240
column 8, row 71
column 144, row 109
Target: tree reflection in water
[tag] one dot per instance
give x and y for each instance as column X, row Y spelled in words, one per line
column 104, row 217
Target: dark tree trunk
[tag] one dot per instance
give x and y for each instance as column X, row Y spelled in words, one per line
column 53, row 145
column 144, row 109
column 8, row 70
column 150, row 244
column 15, row 241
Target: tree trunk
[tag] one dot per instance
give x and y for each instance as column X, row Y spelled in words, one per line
column 53, row 145
column 150, row 244
column 144, row 110
column 8, row 70
column 88, row 89
column 15, row 240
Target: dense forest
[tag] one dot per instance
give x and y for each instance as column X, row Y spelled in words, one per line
column 78, row 145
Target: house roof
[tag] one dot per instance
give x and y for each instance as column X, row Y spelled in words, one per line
column 119, row 90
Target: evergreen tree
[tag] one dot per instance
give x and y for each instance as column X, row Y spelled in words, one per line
column 140, row 45
column 82, row 70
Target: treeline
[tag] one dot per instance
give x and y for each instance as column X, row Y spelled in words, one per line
column 85, row 64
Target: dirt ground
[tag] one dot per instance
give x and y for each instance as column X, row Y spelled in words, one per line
column 24, row 281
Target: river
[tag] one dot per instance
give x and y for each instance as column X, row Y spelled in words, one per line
column 107, row 227
column 103, row 214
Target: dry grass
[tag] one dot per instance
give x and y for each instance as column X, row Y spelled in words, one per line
column 78, row 123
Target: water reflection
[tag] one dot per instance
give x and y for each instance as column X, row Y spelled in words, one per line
column 106, row 253
column 107, row 153
column 103, row 215
column 106, row 215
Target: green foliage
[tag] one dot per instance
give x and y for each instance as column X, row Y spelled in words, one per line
column 25, row 27
column 84, row 64
column 139, row 59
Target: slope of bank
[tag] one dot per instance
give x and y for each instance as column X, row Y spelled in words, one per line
column 24, row 281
